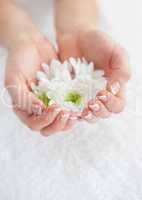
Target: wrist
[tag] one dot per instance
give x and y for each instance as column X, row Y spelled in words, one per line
column 73, row 17
column 14, row 32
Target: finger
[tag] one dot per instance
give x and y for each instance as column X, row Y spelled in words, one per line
column 112, row 103
column 47, row 118
column 98, row 47
column 116, row 88
column 26, row 100
column 58, row 125
column 71, row 121
column 119, row 73
column 116, row 92
column 39, row 122
column 88, row 116
column 119, row 65
column 98, row 109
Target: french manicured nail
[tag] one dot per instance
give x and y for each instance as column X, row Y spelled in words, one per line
column 89, row 116
column 104, row 98
column 65, row 115
column 115, row 87
column 58, row 109
column 39, row 103
column 37, row 110
column 95, row 107
column 73, row 118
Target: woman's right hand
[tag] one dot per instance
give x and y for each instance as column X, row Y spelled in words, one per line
column 24, row 60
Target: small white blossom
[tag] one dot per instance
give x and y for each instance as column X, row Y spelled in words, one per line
column 70, row 84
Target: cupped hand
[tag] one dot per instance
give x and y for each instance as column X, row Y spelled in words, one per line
column 107, row 55
column 24, row 60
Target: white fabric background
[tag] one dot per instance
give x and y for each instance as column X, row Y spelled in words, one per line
column 101, row 161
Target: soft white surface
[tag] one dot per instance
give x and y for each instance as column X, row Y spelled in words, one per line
column 101, row 162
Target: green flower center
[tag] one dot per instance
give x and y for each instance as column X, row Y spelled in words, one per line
column 44, row 98
column 74, row 97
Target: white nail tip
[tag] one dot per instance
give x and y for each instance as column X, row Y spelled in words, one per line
column 89, row 116
column 73, row 118
column 115, row 88
column 45, row 67
column 103, row 97
column 57, row 109
column 95, row 107
column 37, row 111
column 65, row 116
column 94, row 120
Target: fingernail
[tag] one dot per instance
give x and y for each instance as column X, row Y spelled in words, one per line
column 104, row 98
column 89, row 116
column 58, row 109
column 115, row 87
column 65, row 115
column 73, row 118
column 95, row 107
column 39, row 104
column 94, row 120
column 37, row 110
column 67, row 110
column 54, row 105
column 53, row 108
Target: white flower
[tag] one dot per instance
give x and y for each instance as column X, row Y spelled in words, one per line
column 70, row 84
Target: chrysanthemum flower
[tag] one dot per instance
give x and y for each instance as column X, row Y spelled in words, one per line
column 70, row 84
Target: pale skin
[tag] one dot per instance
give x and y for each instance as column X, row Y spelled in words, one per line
column 76, row 37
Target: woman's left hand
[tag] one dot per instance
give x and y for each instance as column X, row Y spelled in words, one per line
column 107, row 55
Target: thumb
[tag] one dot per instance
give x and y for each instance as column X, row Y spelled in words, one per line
column 119, row 72
column 119, row 65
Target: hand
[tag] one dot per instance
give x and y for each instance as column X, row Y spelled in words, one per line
column 107, row 55
column 24, row 60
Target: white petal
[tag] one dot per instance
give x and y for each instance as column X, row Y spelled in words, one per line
column 91, row 68
column 54, row 68
column 86, row 81
column 34, row 88
column 78, row 61
column 72, row 61
column 45, row 67
column 55, row 63
column 41, row 75
column 98, row 73
column 84, row 61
